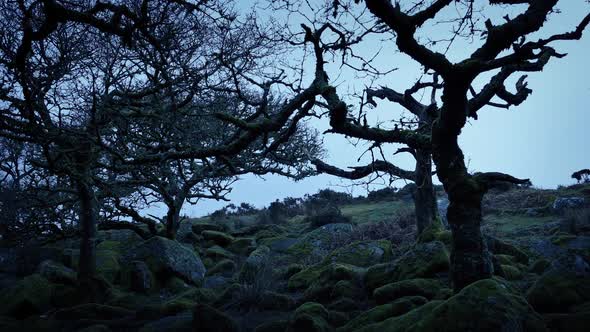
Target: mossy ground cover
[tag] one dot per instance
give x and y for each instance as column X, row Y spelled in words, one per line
column 261, row 277
column 374, row 212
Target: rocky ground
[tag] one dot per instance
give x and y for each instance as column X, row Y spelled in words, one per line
column 368, row 273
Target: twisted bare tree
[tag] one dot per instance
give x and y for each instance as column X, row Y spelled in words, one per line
column 507, row 47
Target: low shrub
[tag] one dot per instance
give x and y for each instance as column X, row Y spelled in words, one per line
column 329, row 214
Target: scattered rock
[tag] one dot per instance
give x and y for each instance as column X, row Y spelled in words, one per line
column 242, row 246
column 564, row 284
column 427, row 288
column 362, row 253
column 107, row 264
column 209, row 319
column 486, row 305
column 198, row 228
column 273, row 326
column 166, row 257
column 57, row 272
column 31, row 295
column 254, row 263
column 275, row 301
column 422, row 261
column 562, row 203
column 140, row 277
column 318, row 240
column 216, row 282
column 217, row 252
column 225, row 266
column 310, row 317
column 383, row 312
column 221, row 238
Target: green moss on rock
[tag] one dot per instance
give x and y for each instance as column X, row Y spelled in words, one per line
column 383, row 312
column 512, row 273
column 242, row 246
column 276, row 301
column 310, row 317
column 557, row 290
column 107, row 264
column 486, row 305
column 435, row 232
column 209, row 319
column 217, row 252
column 427, row 288
column 273, row 326
column 29, row 296
column 539, row 266
column 362, row 253
column 221, row 238
column 255, row 262
column 224, row 266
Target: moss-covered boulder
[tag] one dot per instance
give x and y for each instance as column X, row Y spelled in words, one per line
column 221, row 238
column 276, row 301
column 254, row 263
column 565, row 284
column 242, row 246
column 570, row 322
column 379, row 275
column 169, row 258
column 404, row 322
column 209, row 319
column 217, row 252
column 324, row 274
column 435, row 232
column 125, row 238
column 57, row 272
column 511, row 272
column 138, row 277
column 422, row 261
column 345, row 305
column 92, row 311
column 362, row 253
column 225, row 266
column 486, row 305
column 383, row 312
column 427, row 288
column 310, row 317
column 272, row 326
column 318, row 240
column 198, row 228
column 107, row 264
column 345, row 289
column 96, row 328
column 280, row 244
column 539, row 266
column 292, row 269
column 502, row 247
column 29, row 296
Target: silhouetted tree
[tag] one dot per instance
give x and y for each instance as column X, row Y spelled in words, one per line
column 506, row 48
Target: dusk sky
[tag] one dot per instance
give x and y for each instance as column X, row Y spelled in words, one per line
column 544, row 139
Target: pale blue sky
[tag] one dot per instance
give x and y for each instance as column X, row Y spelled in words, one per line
column 544, row 139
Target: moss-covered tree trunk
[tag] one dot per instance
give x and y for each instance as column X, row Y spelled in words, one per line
column 172, row 221
column 424, row 196
column 470, row 259
column 87, row 220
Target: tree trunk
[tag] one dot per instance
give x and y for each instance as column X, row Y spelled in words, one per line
column 470, row 259
column 424, row 196
column 172, row 222
column 87, row 215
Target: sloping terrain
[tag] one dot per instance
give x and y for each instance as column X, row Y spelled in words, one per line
column 362, row 271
